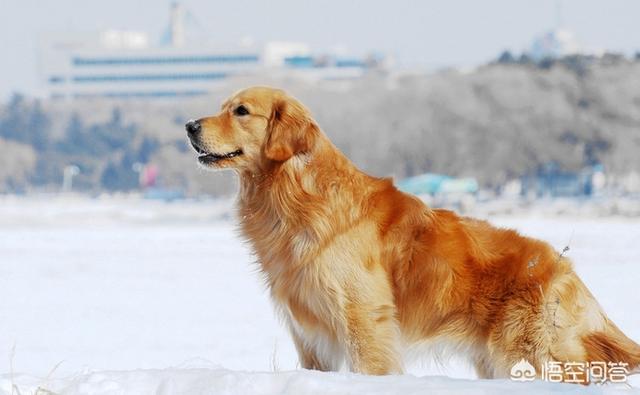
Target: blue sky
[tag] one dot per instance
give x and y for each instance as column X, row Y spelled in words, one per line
column 429, row 34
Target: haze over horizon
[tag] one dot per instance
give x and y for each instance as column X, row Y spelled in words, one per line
column 426, row 35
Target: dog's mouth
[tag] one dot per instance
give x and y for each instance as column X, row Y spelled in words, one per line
column 206, row 157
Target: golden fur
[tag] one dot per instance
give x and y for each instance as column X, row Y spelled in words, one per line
column 362, row 272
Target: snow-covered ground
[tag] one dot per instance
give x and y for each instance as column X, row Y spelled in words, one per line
column 130, row 296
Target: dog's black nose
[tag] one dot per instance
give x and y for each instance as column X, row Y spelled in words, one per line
column 193, row 127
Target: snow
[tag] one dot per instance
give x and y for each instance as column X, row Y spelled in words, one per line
column 120, row 295
column 221, row 381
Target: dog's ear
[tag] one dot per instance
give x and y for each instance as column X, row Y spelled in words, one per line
column 291, row 131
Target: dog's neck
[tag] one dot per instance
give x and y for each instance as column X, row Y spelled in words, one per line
column 292, row 204
column 285, row 188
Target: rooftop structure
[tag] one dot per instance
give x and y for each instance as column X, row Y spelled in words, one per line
column 555, row 44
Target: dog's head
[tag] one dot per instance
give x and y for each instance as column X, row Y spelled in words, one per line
column 255, row 127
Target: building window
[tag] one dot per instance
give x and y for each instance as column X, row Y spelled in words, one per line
column 147, row 77
column 136, row 94
column 56, row 79
column 164, row 60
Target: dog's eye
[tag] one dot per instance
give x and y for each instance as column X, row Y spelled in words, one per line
column 241, row 110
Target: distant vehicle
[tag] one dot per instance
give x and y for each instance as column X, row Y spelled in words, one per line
column 434, row 184
column 167, row 195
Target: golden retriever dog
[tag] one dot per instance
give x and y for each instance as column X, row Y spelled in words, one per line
column 363, row 272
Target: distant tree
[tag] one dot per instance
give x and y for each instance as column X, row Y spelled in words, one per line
column 593, row 150
column 525, row 59
column 25, row 122
column 113, row 142
column 147, row 148
column 612, row 58
column 119, row 176
column 75, row 136
column 579, row 64
column 546, row 63
column 115, row 133
column 110, row 178
column 12, row 122
column 37, row 127
column 506, row 58
column 85, row 140
column 98, row 139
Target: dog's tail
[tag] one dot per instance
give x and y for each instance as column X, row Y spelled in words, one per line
column 611, row 345
column 578, row 316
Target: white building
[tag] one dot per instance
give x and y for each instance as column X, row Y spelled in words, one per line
column 123, row 64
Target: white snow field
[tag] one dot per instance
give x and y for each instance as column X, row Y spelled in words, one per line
column 125, row 296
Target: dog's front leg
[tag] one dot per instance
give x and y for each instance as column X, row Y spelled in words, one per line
column 312, row 356
column 372, row 338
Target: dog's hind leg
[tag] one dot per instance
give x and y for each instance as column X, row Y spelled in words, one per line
column 483, row 367
column 317, row 353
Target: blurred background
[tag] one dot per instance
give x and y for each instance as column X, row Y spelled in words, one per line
column 118, row 252
column 529, row 99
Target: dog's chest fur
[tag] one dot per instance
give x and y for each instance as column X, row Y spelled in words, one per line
column 286, row 248
column 319, row 254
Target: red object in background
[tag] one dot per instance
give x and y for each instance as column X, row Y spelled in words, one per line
column 149, row 176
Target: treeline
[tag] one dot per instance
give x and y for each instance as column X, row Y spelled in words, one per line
column 104, row 152
column 496, row 123
column 577, row 63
